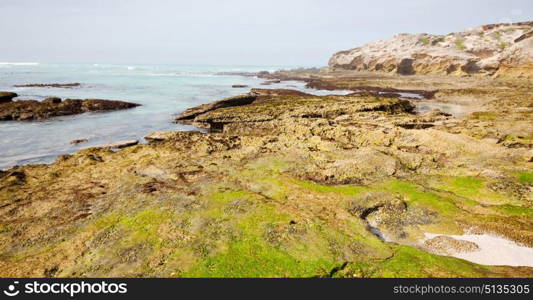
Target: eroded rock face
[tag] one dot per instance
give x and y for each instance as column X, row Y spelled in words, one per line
column 25, row 110
column 503, row 48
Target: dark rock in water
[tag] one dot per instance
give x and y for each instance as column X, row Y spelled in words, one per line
column 7, row 96
column 35, row 110
column 121, row 144
column 53, row 85
column 79, row 141
column 277, row 92
column 52, row 100
column 239, row 86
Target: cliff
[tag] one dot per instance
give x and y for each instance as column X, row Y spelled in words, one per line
column 496, row 49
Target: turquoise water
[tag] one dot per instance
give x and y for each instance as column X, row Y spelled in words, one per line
column 163, row 92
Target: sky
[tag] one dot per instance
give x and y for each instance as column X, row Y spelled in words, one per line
column 230, row 32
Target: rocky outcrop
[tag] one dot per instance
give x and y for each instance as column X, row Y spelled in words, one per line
column 50, row 85
column 501, row 48
column 51, row 107
column 7, row 96
column 284, row 184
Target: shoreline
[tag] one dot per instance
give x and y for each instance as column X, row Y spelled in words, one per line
column 286, row 164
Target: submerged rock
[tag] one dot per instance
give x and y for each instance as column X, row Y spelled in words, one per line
column 7, row 96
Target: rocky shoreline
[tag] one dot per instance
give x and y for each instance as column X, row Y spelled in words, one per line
column 286, row 183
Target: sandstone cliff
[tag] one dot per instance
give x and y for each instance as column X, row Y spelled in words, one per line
column 497, row 49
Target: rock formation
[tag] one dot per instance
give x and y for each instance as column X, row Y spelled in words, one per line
column 502, row 49
column 24, row 110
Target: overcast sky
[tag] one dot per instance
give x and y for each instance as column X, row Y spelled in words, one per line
column 235, row 32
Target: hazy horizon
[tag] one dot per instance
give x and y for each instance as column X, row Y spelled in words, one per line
column 237, row 32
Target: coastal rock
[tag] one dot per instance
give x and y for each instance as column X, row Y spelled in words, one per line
column 445, row 245
column 24, row 110
column 239, row 86
column 7, row 96
column 269, row 82
column 502, row 49
column 52, row 85
column 78, row 141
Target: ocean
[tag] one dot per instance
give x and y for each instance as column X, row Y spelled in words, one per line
column 163, row 91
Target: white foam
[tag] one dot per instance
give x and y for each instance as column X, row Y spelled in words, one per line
column 493, row 250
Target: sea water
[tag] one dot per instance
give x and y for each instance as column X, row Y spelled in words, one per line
column 162, row 90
